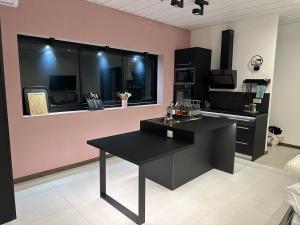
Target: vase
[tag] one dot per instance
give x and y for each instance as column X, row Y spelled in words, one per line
column 124, row 103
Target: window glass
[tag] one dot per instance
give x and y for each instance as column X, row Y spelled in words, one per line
column 53, row 67
column 140, row 77
column 71, row 70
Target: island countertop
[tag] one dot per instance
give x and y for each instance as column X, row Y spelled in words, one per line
column 202, row 124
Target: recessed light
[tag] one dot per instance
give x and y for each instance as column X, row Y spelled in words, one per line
column 47, row 46
column 99, row 53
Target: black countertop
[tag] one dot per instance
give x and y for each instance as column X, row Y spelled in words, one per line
column 139, row 147
column 237, row 113
column 203, row 124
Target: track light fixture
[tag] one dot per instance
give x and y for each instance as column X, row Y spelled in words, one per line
column 177, row 3
column 196, row 11
column 201, row 4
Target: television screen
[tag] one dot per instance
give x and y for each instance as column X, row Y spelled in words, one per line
column 62, row 83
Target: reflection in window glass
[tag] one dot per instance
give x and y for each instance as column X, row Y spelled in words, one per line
column 52, row 67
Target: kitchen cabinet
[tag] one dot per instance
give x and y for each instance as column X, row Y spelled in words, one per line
column 199, row 60
column 251, row 133
column 251, row 136
column 7, row 205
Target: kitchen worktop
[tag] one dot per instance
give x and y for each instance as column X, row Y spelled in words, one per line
column 199, row 125
column 235, row 112
column 131, row 146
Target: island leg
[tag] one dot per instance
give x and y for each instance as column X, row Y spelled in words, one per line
column 102, row 173
column 138, row 219
column 142, row 195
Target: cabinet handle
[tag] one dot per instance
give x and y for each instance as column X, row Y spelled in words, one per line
column 231, row 118
column 244, row 128
column 211, row 115
column 184, row 64
column 241, row 143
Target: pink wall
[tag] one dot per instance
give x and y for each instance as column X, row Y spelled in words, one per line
column 47, row 142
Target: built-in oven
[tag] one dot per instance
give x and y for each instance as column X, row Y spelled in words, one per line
column 185, row 76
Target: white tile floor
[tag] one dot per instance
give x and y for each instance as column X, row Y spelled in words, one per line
column 278, row 157
column 252, row 196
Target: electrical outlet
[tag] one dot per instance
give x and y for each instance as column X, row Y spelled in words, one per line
column 169, row 133
column 257, row 100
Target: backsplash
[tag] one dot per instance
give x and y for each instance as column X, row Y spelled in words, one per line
column 236, row 100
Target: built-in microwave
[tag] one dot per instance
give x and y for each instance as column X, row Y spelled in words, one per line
column 185, row 75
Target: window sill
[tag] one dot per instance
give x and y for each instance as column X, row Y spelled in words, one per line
column 87, row 111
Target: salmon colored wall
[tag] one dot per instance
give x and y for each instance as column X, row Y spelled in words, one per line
column 47, row 142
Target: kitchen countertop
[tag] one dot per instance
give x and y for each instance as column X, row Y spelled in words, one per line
column 139, row 147
column 129, row 145
column 235, row 112
column 203, row 124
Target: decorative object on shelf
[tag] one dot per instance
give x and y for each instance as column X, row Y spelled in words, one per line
column 36, row 100
column 93, row 101
column 260, row 86
column 255, row 63
column 124, row 98
column 37, row 104
column 199, row 11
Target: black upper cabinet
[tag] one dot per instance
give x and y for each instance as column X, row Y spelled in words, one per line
column 193, row 57
column 7, row 201
column 200, row 60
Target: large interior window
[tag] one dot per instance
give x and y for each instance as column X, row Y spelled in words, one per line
column 71, row 70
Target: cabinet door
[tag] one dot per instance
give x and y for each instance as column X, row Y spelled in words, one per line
column 7, row 201
column 185, row 57
column 245, row 134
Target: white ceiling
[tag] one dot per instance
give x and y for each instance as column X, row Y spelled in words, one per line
column 218, row 11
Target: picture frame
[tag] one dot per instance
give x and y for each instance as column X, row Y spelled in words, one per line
column 36, row 100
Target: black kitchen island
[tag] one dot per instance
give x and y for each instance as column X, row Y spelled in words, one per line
column 196, row 147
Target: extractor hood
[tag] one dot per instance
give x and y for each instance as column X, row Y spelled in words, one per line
column 225, row 77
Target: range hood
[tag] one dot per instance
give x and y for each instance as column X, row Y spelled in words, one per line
column 225, row 77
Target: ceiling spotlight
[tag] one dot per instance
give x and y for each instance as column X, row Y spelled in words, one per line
column 198, row 12
column 177, row 3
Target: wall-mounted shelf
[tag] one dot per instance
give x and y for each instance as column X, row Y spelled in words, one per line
column 264, row 82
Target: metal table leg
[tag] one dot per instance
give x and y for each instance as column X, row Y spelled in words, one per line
column 138, row 219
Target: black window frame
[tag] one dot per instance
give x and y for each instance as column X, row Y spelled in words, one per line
column 81, row 47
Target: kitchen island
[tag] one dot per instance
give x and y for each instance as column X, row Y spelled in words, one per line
column 192, row 148
column 213, row 146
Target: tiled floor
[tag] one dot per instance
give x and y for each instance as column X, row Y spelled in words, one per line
column 278, row 157
column 252, row 196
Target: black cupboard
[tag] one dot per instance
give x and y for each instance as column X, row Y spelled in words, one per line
column 194, row 62
column 7, row 200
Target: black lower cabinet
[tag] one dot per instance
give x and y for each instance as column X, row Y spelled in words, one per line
column 251, row 137
column 7, row 199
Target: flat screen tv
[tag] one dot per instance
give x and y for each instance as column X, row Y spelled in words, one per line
column 62, row 83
